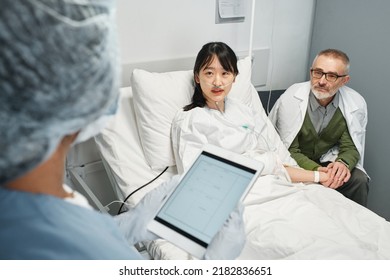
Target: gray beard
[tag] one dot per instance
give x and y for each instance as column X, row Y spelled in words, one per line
column 321, row 95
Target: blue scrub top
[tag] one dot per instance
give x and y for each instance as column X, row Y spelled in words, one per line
column 36, row 226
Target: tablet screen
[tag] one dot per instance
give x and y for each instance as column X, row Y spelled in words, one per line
column 205, row 197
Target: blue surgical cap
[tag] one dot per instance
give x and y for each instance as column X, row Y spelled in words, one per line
column 58, row 73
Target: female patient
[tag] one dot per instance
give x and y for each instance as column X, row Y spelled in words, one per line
column 212, row 117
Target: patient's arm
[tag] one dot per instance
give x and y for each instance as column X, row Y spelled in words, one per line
column 302, row 175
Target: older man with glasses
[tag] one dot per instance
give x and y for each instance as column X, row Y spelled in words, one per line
column 323, row 122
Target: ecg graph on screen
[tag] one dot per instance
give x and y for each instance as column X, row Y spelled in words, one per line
column 198, row 205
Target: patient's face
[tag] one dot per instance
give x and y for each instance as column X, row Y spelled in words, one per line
column 215, row 83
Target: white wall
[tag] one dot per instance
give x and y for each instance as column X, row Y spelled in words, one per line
column 157, row 30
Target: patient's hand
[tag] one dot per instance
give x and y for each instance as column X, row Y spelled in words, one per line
column 330, row 180
column 322, row 169
column 324, row 176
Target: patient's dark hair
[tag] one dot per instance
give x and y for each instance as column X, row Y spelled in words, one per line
column 226, row 57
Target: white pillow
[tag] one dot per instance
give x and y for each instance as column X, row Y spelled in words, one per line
column 157, row 98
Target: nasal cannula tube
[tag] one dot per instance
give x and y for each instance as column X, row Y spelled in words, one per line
column 219, row 109
column 215, row 86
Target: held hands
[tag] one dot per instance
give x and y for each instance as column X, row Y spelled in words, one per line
column 334, row 175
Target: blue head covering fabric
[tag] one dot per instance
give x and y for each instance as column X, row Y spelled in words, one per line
column 58, row 72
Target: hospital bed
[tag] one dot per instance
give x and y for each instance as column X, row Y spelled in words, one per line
column 306, row 221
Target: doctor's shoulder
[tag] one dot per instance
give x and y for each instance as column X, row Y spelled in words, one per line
column 352, row 94
column 294, row 88
column 30, row 232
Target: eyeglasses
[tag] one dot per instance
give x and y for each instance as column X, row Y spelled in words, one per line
column 330, row 77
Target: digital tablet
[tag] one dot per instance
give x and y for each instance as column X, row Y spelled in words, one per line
column 201, row 203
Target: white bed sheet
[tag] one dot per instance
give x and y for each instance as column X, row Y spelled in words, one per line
column 283, row 221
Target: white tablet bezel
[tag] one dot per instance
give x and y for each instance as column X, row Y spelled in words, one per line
column 181, row 240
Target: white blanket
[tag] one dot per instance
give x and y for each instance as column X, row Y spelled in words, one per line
column 310, row 222
column 297, row 221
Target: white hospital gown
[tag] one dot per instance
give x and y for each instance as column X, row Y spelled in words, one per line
column 238, row 129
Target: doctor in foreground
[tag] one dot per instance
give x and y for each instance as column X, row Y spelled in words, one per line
column 59, row 83
column 215, row 118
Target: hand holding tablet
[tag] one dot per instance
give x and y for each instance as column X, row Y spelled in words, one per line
column 195, row 211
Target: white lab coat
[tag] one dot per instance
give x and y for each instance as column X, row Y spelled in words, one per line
column 289, row 111
column 239, row 129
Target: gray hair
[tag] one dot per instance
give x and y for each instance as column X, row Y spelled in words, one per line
column 335, row 53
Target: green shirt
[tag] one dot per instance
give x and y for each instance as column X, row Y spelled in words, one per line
column 308, row 146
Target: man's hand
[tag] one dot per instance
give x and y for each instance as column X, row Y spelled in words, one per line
column 338, row 174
